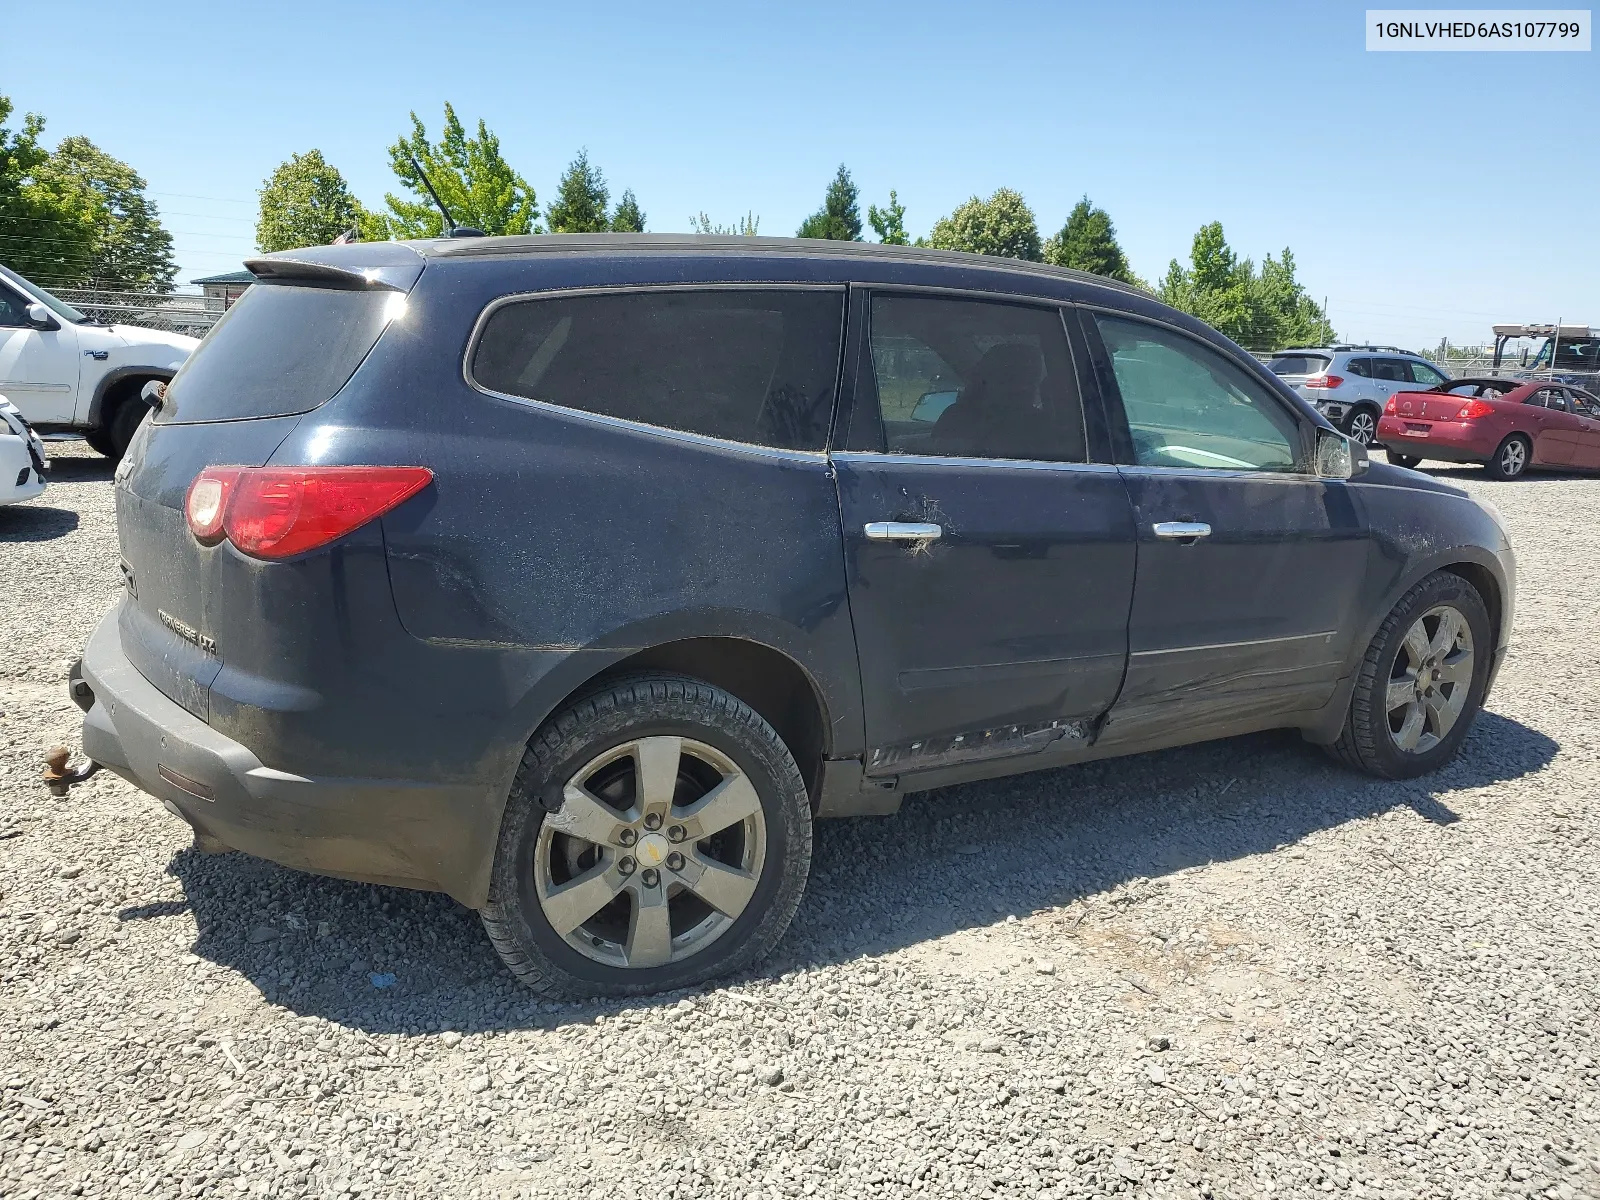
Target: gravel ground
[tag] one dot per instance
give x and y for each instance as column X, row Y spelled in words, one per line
column 1231, row 970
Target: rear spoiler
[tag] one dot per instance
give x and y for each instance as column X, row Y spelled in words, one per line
column 293, row 270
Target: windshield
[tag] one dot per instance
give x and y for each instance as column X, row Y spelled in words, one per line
column 1576, row 354
column 60, row 307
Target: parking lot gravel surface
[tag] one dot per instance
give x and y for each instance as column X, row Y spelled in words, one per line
column 1232, row 970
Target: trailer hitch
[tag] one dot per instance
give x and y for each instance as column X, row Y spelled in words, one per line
column 58, row 777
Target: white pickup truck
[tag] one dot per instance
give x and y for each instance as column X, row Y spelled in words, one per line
column 67, row 373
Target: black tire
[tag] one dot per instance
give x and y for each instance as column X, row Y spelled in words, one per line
column 1402, row 460
column 636, row 707
column 1506, row 464
column 1365, row 429
column 114, row 436
column 1366, row 742
column 100, row 442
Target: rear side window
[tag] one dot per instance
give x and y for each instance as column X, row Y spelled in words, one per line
column 279, row 350
column 747, row 365
column 1361, row 367
column 1299, row 364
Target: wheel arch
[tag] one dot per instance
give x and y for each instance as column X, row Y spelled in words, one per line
column 770, row 681
column 1474, row 564
column 108, row 392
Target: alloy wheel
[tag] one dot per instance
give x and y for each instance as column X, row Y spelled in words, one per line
column 1431, row 680
column 1363, row 428
column 655, row 852
column 1513, row 458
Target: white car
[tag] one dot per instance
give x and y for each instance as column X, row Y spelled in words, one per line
column 67, row 373
column 21, row 457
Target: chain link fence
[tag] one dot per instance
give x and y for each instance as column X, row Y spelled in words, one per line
column 176, row 312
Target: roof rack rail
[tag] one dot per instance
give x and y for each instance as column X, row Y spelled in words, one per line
column 1390, row 349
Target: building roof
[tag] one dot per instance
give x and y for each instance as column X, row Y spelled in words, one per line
column 227, row 277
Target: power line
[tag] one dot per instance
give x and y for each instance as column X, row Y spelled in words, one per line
column 192, row 196
column 66, row 221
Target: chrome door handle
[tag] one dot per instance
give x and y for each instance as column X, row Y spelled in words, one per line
column 1181, row 530
column 903, row 531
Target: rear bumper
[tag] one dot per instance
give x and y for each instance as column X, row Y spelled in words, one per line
column 1447, row 441
column 436, row 837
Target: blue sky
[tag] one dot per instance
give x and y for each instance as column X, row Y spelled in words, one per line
column 1424, row 195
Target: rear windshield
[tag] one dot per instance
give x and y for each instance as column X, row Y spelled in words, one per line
column 1299, row 364
column 279, row 350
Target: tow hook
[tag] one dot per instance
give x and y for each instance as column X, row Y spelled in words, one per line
column 58, row 777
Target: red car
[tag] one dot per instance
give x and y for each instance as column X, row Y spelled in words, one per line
column 1509, row 425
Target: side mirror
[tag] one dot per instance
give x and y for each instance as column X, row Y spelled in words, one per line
column 41, row 317
column 154, row 394
column 1338, row 457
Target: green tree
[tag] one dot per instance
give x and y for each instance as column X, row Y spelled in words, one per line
column 889, row 223
column 306, row 202
column 1002, row 225
column 627, row 218
column 132, row 249
column 581, row 198
column 748, row 226
column 1088, row 242
column 1259, row 311
column 1297, row 319
column 839, row 219
column 48, row 223
column 472, row 178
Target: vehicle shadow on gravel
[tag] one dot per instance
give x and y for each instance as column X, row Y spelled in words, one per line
column 953, row 859
column 35, row 523
column 80, row 469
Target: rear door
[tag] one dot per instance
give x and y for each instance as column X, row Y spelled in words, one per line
column 990, row 561
column 1249, row 565
column 1390, row 375
column 38, row 367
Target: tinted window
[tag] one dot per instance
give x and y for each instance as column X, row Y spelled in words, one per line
column 278, row 350
column 1540, row 399
column 1361, row 367
column 973, row 379
column 1424, row 374
column 1557, row 399
column 747, row 365
column 1391, row 369
column 1188, row 406
column 1299, row 364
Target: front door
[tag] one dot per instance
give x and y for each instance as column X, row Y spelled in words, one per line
column 990, row 563
column 38, row 367
column 1555, row 430
column 1249, row 566
column 1587, row 409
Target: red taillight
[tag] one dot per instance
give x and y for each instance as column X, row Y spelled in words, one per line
column 1391, row 408
column 1324, row 381
column 278, row 512
column 1475, row 409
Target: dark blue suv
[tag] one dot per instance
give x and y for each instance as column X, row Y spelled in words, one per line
column 577, row 576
